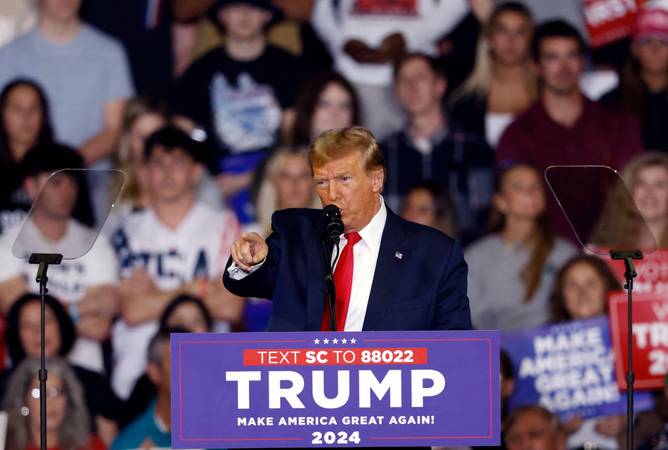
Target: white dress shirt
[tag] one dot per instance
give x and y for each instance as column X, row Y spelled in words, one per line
column 365, row 254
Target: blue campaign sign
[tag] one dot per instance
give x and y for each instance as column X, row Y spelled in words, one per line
column 569, row 369
column 347, row 389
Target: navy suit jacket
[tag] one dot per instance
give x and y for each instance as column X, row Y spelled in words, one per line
column 419, row 282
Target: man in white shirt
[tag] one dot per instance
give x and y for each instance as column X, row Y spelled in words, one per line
column 176, row 245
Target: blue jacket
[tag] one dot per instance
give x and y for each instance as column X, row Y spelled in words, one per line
column 419, row 282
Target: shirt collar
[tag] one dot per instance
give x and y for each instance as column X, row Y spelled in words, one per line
column 426, row 145
column 372, row 233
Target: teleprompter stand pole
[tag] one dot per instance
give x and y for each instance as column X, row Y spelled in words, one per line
column 629, row 274
column 43, row 260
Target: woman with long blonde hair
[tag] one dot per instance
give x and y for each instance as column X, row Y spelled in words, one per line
column 646, row 178
column 512, row 269
column 142, row 117
column 285, row 182
column 503, row 83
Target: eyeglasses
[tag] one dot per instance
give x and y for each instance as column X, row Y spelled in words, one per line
column 52, row 392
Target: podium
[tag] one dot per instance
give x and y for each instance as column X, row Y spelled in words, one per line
column 345, row 389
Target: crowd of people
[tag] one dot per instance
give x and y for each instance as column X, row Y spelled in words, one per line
column 175, row 126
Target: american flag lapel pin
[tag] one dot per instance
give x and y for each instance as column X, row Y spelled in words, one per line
column 398, row 255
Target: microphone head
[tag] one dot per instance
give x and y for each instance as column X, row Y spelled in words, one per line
column 331, row 210
column 331, row 215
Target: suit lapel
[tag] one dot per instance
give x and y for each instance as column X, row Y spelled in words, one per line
column 389, row 267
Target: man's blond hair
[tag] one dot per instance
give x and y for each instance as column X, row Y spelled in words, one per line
column 340, row 143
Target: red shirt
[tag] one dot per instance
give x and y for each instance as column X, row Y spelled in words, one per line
column 599, row 136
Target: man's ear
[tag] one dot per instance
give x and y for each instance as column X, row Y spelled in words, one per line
column 441, row 86
column 31, row 186
column 377, row 179
column 500, row 203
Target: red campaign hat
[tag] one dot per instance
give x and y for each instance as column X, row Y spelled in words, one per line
column 653, row 21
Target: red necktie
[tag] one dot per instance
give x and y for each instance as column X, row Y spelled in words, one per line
column 343, row 282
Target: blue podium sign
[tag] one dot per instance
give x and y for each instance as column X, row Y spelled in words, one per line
column 317, row 389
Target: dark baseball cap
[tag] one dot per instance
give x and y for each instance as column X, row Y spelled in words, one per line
column 276, row 12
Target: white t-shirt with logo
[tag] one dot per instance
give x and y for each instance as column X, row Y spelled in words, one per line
column 68, row 280
column 198, row 248
column 420, row 22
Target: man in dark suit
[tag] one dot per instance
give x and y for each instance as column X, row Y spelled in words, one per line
column 391, row 274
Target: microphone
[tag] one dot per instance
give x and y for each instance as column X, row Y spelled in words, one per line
column 331, row 216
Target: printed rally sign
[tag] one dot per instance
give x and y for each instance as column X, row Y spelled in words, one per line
column 568, row 368
column 652, row 272
column 372, row 389
column 610, row 20
column 650, row 339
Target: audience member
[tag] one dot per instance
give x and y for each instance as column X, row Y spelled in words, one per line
column 183, row 312
column 427, row 205
column 503, row 83
column 430, row 148
column 176, row 245
column 291, row 31
column 646, row 177
column 187, row 312
column 242, row 94
column 24, row 123
column 84, row 285
column 285, row 182
column 580, row 292
column 644, row 82
column 68, row 424
column 23, row 340
column 457, row 48
column 153, row 427
column 511, row 270
column 365, row 38
column 581, row 289
column 533, row 428
column 143, row 117
column 325, row 102
column 562, row 126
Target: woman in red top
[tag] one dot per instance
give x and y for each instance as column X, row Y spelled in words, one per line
column 68, row 426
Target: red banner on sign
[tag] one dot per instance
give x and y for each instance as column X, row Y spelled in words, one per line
column 386, row 7
column 652, row 273
column 334, row 356
column 610, row 20
column 650, row 339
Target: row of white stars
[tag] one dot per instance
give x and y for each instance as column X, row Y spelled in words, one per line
column 334, row 341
